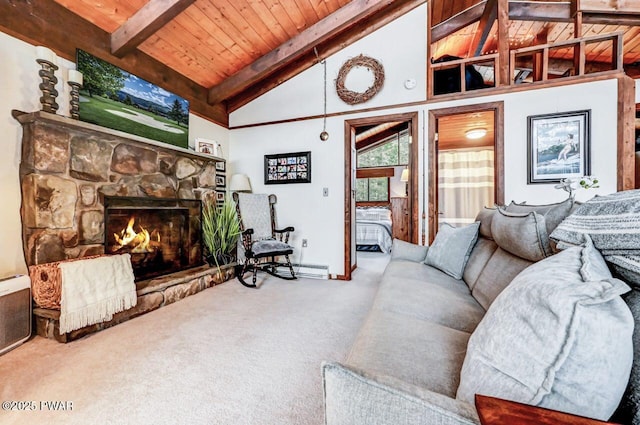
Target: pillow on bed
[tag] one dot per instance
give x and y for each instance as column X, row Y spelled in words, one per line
column 373, row 214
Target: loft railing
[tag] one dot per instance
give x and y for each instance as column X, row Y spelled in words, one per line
column 534, row 61
column 539, row 58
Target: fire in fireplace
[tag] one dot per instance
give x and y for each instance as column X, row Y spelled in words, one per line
column 161, row 235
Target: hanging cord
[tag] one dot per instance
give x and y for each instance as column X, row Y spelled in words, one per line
column 324, row 135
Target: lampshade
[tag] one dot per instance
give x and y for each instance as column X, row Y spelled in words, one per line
column 405, row 175
column 476, row 133
column 240, row 183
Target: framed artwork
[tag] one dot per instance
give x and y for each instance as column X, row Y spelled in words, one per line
column 205, row 146
column 117, row 99
column 220, row 196
column 558, row 146
column 220, row 180
column 221, row 166
column 287, row 168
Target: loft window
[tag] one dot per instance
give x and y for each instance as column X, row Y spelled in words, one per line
column 391, row 151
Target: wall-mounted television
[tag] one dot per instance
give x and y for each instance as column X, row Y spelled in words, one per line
column 116, row 99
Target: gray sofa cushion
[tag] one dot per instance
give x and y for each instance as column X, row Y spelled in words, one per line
column 451, row 248
column 485, row 216
column 499, row 271
column 398, row 271
column 553, row 213
column 402, row 250
column 480, row 255
column 559, row 336
column 415, row 351
column 524, row 235
column 434, row 303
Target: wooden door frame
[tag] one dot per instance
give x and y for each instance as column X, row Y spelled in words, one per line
column 349, row 142
column 498, row 123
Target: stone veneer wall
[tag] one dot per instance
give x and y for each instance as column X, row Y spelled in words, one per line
column 68, row 165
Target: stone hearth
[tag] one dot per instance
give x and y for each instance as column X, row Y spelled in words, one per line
column 67, row 169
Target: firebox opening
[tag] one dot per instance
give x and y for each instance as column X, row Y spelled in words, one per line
column 162, row 236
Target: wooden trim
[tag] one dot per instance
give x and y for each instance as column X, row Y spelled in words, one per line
column 432, row 148
column 341, row 277
column 626, row 133
column 502, row 75
column 367, row 173
column 492, row 91
column 349, row 139
column 144, row 23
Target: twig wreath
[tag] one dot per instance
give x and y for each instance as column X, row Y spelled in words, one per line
column 353, row 97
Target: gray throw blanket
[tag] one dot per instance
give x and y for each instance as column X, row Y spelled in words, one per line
column 613, row 224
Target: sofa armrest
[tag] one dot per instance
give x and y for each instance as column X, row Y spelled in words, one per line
column 402, row 250
column 355, row 397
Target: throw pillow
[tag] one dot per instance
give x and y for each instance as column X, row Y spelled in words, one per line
column 523, row 235
column 402, row 250
column 485, row 217
column 559, row 336
column 451, row 248
column 553, row 213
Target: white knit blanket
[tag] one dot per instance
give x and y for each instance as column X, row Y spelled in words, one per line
column 94, row 289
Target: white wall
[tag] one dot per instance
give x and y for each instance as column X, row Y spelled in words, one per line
column 321, row 220
column 19, row 90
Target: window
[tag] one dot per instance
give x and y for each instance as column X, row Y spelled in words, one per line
column 392, row 151
column 375, row 189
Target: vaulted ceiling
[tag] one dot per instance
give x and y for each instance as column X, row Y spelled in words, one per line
column 221, row 54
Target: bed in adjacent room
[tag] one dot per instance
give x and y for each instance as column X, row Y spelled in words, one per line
column 373, row 229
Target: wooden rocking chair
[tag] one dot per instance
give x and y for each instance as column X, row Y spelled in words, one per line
column 261, row 241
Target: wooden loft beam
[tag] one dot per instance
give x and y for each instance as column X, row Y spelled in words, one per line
column 48, row 23
column 503, row 77
column 540, row 11
column 457, row 22
column 325, row 49
column 487, row 20
column 354, row 13
column 145, row 22
column 610, row 6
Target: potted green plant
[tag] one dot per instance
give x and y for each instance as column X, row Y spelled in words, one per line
column 220, row 231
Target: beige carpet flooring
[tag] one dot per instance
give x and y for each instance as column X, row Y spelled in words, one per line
column 228, row 355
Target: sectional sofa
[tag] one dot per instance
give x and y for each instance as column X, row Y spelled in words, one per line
column 490, row 309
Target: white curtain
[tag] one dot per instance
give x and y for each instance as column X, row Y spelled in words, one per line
column 465, row 184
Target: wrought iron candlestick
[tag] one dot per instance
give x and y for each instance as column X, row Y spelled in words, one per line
column 74, row 79
column 49, row 80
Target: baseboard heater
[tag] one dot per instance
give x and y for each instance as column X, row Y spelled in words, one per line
column 15, row 312
column 312, row 271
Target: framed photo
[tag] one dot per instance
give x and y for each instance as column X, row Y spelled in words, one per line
column 220, row 196
column 220, row 180
column 558, row 146
column 205, row 146
column 221, row 166
column 283, row 168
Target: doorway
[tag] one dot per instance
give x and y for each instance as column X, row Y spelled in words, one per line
column 465, row 167
column 369, row 134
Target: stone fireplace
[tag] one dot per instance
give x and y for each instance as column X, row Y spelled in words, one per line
column 80, row 186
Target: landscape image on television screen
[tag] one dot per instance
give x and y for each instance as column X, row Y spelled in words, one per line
column 114, row 98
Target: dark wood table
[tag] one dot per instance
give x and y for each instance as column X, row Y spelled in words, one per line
column 496, row 411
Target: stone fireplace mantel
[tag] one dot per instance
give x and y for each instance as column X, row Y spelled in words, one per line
column 67, row 169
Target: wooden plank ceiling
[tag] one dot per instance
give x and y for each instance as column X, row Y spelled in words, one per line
column 221, row 54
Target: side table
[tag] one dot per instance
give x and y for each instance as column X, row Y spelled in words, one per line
column 496, row 411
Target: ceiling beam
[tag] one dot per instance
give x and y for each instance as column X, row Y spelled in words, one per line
column 540, row 11
column 353, row 13
column 144, row 23
column 325, row 49
column 457, row 22
column 489, row 16
column 47, row 23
